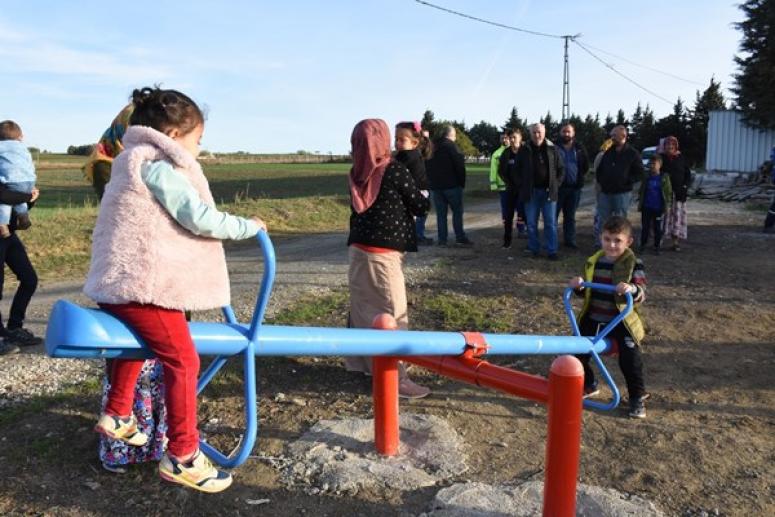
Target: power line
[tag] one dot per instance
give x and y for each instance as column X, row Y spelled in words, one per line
column 646, row 67
column 611, row 67
column 489, row 22
column 566, row 37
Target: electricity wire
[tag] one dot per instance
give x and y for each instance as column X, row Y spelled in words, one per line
column 585, row 48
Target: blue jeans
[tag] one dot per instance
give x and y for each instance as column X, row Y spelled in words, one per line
column 612, row 204
column 568, row 202
column 454, row 198
column 21, row 208
column 541, row 204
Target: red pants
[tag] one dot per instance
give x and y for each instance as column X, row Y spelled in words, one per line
column 165, row 332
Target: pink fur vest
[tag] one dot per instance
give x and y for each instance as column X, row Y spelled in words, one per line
column 139, row 252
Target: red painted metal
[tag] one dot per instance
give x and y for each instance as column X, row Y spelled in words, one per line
column 385, row 394
column 482, row 373
column 563, row 443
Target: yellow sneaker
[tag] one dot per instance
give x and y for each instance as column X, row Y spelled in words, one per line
column 197, row 473
column 124, row 429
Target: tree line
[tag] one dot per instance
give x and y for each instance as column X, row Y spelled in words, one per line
column 690, row 126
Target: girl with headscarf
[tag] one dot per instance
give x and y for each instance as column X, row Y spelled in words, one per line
column 673, row 163
column 384, row 200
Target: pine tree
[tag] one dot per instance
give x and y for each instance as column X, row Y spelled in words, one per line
column 485, row 137
column 755, row 84
column 514, row 122
column 711, row 99
column 429, row 124
column 552, row 126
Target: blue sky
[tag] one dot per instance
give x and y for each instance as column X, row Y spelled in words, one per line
column 283, row 76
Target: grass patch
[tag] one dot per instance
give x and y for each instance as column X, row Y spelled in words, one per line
column 329, row 310
column 292, row 199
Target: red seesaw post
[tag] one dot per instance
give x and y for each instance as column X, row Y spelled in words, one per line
column 385, row 393
column 563, row 443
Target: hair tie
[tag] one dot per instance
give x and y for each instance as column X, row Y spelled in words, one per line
column 417, row 127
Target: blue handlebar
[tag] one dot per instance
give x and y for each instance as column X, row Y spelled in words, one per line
column 241, row 453
column 600, row 335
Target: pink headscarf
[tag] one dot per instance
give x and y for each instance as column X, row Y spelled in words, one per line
column 675, row 152
column 371, row 155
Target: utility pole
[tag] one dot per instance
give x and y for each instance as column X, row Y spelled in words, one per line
column 566, row 81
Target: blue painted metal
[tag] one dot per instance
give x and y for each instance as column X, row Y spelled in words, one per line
column 79, row 332
column 593, row 349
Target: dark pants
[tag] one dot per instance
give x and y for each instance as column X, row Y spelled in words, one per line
column 510, row 203
column 629, row 358
column 454, row 198
column 15, row 256
column 650, row 219
column 567, row 204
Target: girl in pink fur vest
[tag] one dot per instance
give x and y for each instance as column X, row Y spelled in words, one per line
column 156, row 252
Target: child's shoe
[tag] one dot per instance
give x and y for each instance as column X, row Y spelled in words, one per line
column 638, row 406
column 124, row 429
column 5, row 231
column 23, row 222
column 591, row 391
column 198, row 473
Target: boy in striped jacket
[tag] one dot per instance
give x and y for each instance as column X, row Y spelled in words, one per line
column 615, row 264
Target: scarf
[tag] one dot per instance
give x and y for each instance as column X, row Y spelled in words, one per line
column 371, row 155
column 675, row 152
column 110, row 143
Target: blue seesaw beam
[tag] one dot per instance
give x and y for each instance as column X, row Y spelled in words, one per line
column 79, row 332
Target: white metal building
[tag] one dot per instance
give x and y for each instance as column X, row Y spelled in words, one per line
column 733, row 146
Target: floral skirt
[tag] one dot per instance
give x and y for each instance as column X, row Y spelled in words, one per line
column 151, row 414
column 675, row 220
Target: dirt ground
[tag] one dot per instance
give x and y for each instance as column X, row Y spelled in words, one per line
column 708, row 444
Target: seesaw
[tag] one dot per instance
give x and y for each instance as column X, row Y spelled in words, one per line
column 77, row 332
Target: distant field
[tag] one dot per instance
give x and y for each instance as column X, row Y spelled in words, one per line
column 291, row 198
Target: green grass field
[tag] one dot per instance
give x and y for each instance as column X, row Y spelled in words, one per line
column 291, row 198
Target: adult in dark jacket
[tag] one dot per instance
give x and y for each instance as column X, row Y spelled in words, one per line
column 540, row 171
column 507, row 172
column 447, row 176
column 384, row 199
column 673, row 163
column 619, row 169
column 576, row 163
column 14, row 255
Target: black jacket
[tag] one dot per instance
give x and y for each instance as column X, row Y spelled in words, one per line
column 525, row 170
column 10, row 197
column 582, row 160
column 447, row 168
column 507, row 169
column 680, row 175
column 413, row 161
column 389, row 222
column 618, row 171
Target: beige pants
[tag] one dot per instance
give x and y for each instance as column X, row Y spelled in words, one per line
column 376, row 285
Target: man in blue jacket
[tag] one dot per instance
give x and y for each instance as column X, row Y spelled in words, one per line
column 576, row 163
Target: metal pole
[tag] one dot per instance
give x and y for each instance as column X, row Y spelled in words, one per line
column 563, row 442
column 385, row 394
column 566, row 85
